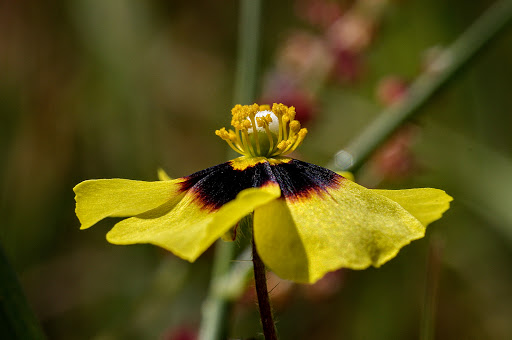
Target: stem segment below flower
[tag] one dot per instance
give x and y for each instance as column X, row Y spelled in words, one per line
column 260, row 278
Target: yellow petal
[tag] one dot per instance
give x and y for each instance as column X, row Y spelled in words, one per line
column 162, row 175
column 426, row 204
column 279, row 243
column 346, row 174
column 303, row 238
column 100, row 198
column 187, row 229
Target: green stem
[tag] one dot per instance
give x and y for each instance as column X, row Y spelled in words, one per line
column 452, row 60
column 248, row 40
column 17, row 321
column 260, row 279
column 217, row 305
column 432, row 277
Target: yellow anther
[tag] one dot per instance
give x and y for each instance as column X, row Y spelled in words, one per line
column 222, row 133
column 294, row 126
column 246, row 124
column 282, row 145
column 232, row 136
column 291, row 112
column 261, row 121
column 264, row 120
column 251, row 110
column 255, row 136
column 236, row 109
column 279, row 109
column 286, row 119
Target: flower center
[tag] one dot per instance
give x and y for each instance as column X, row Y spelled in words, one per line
column 263, row 132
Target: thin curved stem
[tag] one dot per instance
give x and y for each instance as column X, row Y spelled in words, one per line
column 260, row 278
column 447, row 65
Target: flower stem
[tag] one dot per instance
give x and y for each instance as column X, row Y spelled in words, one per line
column 447, row 65
column 260, row 278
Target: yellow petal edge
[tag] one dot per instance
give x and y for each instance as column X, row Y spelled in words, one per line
column 162, row 175
column 100, row 198
column 426, row 204
column 185, row 228
column 350, row 227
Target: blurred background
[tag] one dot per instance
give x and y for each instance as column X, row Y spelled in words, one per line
column 119, row 88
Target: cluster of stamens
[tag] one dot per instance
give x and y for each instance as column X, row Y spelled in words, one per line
column 256, row 133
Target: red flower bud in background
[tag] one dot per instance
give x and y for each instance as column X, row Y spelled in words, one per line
column 348, row 37
column 395, row 159
column 391, row 90
column 318, row 13
column 326, row 287
column 281, row 88
column 181, row 333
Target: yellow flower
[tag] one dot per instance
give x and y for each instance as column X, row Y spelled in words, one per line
column 307, row 219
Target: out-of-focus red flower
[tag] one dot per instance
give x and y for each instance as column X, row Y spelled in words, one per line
column 319, row 13
column 303, row 103
column 352, row 32
column 347, row 65
column 391, row 90
column 348, row 37
column 281, row 88
column 326, row 287
column 305, row 57
column 181, row 333
column 395, row 159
